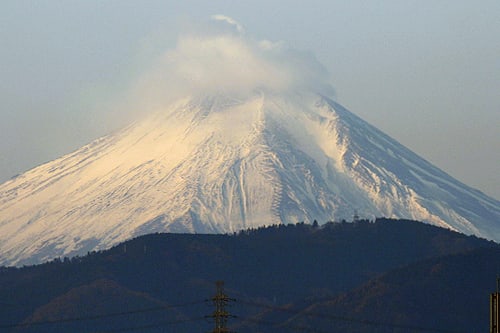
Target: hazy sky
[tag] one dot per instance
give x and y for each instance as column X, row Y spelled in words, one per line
column 425, row 72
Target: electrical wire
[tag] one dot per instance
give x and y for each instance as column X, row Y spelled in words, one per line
column 345, row 319
column 242, row 319
column 152, row 326
column 293, row 327
column 100, row 316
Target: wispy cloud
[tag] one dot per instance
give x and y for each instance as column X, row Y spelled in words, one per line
column 230, row 21
column 224, row 59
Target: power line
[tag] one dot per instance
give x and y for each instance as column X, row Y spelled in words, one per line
column 346, row 319
column 101, row 316
column 152, row 326
column 220, row 300
column 7, row 304
column 294, row 327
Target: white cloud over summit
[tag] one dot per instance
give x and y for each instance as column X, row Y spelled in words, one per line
column 224, row 59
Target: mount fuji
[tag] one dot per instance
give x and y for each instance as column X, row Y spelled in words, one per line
column 218, row 164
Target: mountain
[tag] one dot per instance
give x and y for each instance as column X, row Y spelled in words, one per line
column 162, row 281
column 445, row 294
column 218, row 164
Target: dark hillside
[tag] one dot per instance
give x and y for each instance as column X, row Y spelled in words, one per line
column 170, row 275
column 447, row 294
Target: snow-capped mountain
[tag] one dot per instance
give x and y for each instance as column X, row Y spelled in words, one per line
column 219, row 164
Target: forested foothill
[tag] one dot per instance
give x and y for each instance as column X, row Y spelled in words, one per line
column 366, row 276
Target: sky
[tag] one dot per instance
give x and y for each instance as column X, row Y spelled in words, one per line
column 426, row 72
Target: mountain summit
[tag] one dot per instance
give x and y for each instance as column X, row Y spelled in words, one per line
column 220, row 164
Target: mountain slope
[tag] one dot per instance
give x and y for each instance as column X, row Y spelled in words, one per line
column 295, row 264
column 217, row 164
column 448, row 294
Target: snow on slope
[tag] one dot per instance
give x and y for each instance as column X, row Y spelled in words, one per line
column 217, row 164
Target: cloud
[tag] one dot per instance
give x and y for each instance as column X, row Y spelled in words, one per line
column 225, row 60
column 230, row 21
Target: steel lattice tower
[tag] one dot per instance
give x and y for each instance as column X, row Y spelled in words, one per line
column 220, row 314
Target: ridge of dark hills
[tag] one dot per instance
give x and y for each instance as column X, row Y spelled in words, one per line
column 160, row 282
column 444, row 294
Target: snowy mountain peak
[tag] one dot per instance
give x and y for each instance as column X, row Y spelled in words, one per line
column 221, row 164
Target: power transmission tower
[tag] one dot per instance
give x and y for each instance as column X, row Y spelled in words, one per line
column 495, row 309
column 355, row 217
column 220, row 314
